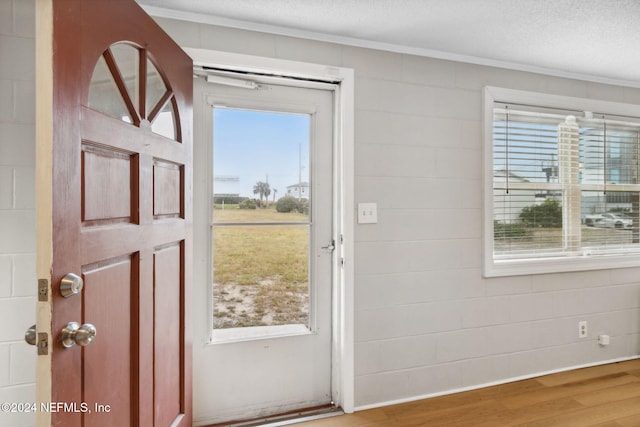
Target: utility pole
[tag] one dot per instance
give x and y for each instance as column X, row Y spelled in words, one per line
column 299, row 171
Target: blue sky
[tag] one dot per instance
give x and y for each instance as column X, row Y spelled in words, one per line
column 253, row 144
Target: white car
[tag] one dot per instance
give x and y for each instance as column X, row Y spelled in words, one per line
column 612, row 220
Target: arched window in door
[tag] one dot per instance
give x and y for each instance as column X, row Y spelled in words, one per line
column 128, row 86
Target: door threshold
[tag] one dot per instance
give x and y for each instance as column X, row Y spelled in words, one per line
column 287, row 418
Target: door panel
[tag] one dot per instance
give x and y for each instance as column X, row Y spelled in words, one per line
column 107, row 190
column 105, row 283
column 121, row 215
column 167, row 183
column 168, row 362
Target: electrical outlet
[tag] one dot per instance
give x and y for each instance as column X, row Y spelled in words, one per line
column 582, row 329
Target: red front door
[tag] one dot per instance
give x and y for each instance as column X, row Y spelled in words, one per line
column 120, row 205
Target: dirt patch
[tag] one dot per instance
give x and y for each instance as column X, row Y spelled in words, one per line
column 266, row 303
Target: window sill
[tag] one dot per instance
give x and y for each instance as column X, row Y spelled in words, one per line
column 521, row 267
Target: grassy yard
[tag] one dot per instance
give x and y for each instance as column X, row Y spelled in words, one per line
column 261, row 272
column 231, row 213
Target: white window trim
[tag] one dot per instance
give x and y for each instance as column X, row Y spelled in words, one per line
column 515, row 267
column 343, row 375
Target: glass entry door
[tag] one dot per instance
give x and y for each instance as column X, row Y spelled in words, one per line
column 271, row 235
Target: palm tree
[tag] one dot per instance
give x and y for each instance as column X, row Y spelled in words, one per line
column 262, row 188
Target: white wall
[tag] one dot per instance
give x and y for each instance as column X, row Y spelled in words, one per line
column 17, row 206
column 426, row 320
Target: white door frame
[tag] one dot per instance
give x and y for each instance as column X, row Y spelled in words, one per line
column 343, row 374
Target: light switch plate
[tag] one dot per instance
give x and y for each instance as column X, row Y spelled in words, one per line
column 367, row 213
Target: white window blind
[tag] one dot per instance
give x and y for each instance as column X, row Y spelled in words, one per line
column 565, row 183
column 525, row 171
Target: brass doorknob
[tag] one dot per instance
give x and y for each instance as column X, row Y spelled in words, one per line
column 76, row 334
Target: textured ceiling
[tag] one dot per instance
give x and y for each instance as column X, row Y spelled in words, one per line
column 593, row 39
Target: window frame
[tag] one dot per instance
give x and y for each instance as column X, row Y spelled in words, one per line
column 541, row 265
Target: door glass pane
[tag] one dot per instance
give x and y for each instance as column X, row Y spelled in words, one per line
column 128, row 60
column 104, row 95
column 155, row 86
column 261, row 221
column 165, row 122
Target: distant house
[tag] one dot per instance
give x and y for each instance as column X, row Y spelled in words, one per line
column 300, row 190
column 226, row 186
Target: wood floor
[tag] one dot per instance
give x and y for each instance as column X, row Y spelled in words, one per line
column 603, row 396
